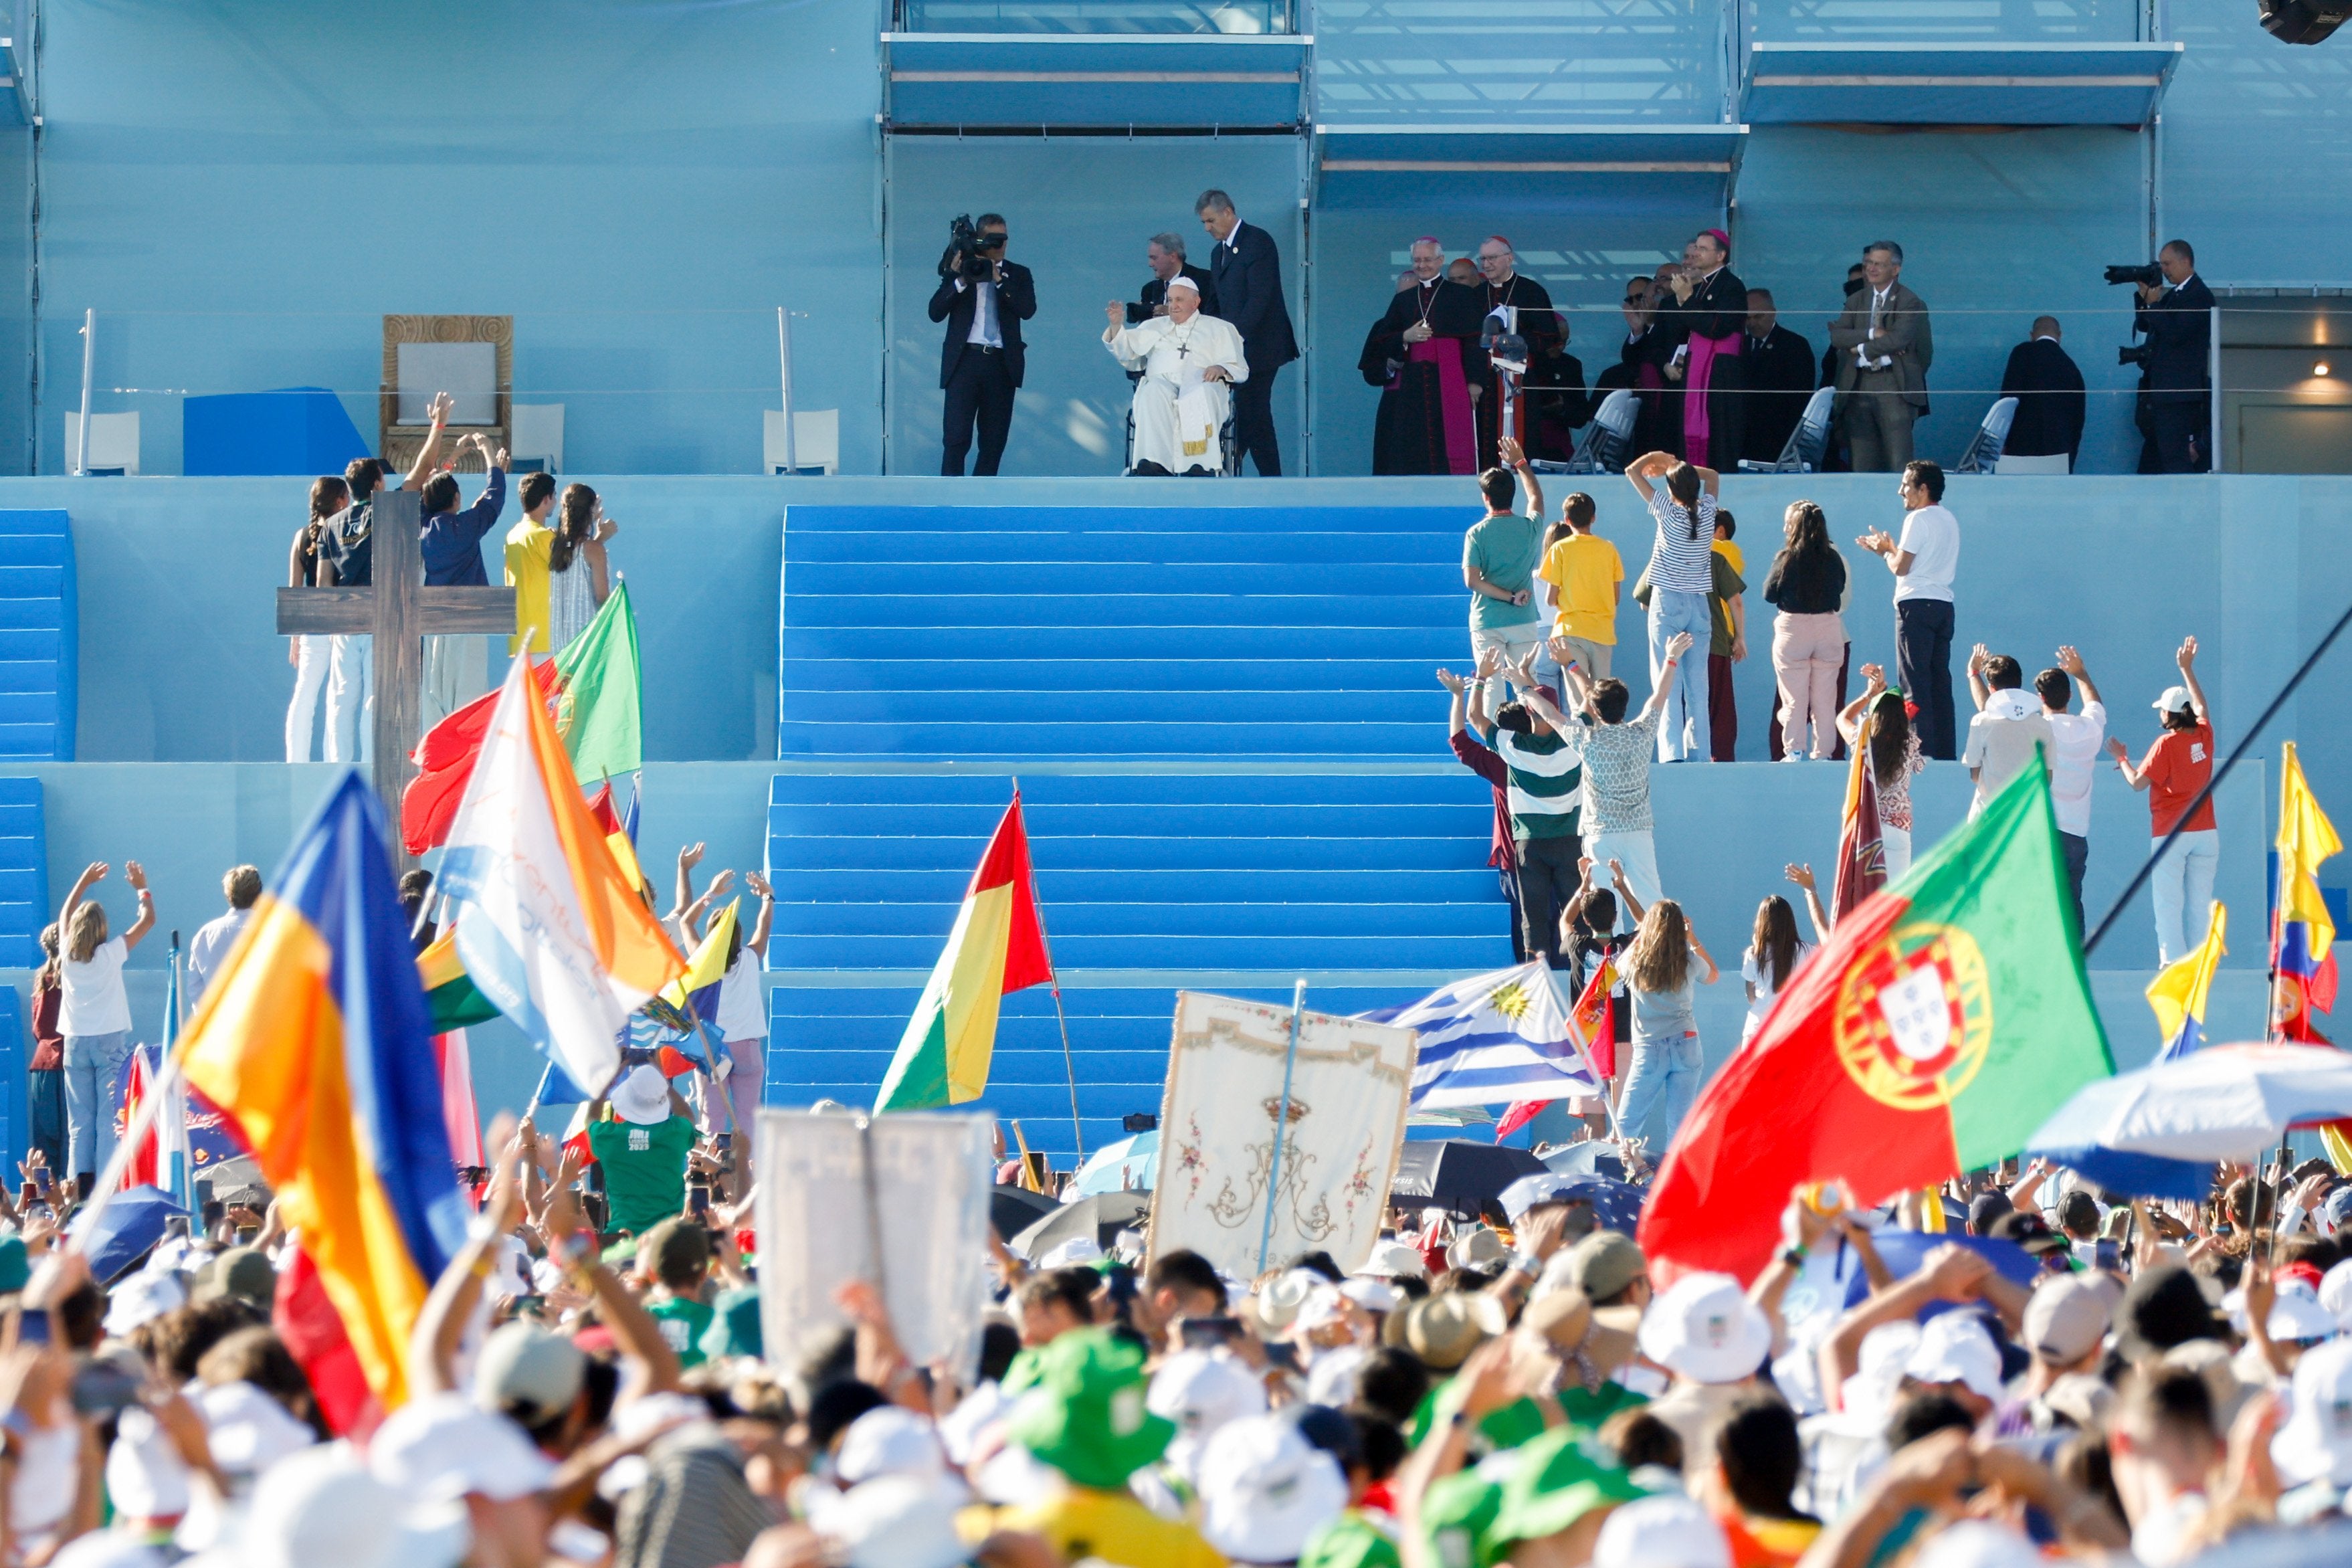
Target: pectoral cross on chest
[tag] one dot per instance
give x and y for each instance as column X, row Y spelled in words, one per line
column 398, row 611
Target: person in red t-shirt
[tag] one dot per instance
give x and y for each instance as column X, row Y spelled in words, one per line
column 2175, row 769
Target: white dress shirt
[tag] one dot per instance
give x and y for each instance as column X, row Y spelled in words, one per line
column 1879, row 304
column 983, row 315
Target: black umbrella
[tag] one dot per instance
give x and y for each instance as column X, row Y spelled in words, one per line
column 1012, row 1210
column 1099, row 1218
column 1459, row 1175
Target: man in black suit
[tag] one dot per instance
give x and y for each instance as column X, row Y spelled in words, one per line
column 1780, row 379
column 1165, row 257
column 2048, row 386
column 1247, row 274
column 980, row 362
column 2176, row 317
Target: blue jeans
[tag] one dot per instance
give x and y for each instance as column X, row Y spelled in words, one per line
column 1684, row 735
column 92, row 1064
column 1661, row 1069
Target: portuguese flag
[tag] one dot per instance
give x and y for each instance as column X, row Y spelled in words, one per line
column 1942, row 1022
column 997, row 946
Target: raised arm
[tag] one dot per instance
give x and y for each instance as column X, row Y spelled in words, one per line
column 2072, row 663
column 2135, row 776
column 1677, row 646
column 1698, row 947
column 1978, row 692
column 689, row 857
column 1709, row 480
column 1515, row 458
column 1625, row 891
column 136, row 874
column 1642, row 469
column 1850, row 717
column 2187, row 659
column 430, row 452
column 92, row 874
column 1803, row 877
column 1457, row 715
column 758, row 940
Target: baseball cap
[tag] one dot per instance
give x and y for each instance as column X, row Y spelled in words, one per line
column 2064, row 1321
column 244, row 1272
column 1478, row 1248
column 1661, row 1533
column 1705, row 1329
column 2315, row 1442
column 2173, row 700
column 1372, row 1295
column 133, row 1302
column 1201, row 1392
column 249, row 1431
column 1985, row 1208
column 1604, row 1263
column 528, row 1374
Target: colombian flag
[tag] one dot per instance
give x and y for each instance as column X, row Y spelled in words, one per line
column 696, row 992
column 549, row 927
column 316, row 1043
column 2177, row 993
column 997, row 946
column 2305, row 934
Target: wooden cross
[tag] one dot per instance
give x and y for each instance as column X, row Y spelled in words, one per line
column 397, row 611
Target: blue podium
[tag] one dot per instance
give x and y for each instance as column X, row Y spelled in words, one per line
column 292, row 430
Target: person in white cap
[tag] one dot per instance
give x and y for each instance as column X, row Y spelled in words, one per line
column 1265, row 1490
column 1190, row 363
column 2065, row 1326
column 1707, row 1333
column 1203, row 1392
column 644, row 1152
column 455, row 1463
column 324, row 1507
column 1661, row 1533
column 1955, row 1357
column 2312, row 1448
column 1848, row 1443
column 2176, row 768
column 1394, row 1261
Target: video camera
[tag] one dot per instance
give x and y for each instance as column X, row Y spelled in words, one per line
column 1499, row 337
column 964, row 257
column 2132, row 353
column 2140, row 277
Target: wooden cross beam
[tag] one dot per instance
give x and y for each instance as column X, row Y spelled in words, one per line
column 397, row 611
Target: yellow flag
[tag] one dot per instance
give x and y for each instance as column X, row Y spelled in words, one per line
column 2177, row 992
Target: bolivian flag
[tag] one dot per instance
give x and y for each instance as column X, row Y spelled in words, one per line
column 315, row 1041
column 998, row 945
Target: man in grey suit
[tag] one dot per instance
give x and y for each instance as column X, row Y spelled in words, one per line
column 1883, row 349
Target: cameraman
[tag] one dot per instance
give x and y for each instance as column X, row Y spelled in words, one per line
column 2176, row 316
column 983, row 299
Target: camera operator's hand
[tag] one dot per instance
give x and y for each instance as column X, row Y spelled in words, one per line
column 2149, row 293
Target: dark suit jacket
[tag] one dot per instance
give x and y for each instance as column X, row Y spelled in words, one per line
column 1905, row 339
column 2179, row 336
column 1248, row 276
column 1155, row 294
column 2051, row 401
column 1016, row 301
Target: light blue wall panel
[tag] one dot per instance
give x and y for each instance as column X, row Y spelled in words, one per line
column 1946, row 21
column 1079, row 211
column 242, row 191
column 2020, row 225
column 2256, row 149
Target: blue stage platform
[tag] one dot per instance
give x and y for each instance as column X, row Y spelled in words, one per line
column 1219, row 704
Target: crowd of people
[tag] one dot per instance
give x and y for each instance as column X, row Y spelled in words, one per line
column 555, row 560
column 1569, row 758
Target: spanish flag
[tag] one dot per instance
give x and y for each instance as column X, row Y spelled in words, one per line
column 315, row 1041
column 2177, row 992
column 998, row 945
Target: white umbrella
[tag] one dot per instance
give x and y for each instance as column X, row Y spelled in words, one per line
column 2224, row 1103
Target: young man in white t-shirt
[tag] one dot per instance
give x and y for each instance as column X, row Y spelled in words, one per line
column 1924, row 560
column 2075, row 739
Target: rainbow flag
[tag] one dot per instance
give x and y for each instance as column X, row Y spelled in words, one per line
column 2177, row 993
column 996, row 946
column 548, row 927
column 316, row 1043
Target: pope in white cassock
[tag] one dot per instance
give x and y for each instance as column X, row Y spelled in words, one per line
column 1189, row 360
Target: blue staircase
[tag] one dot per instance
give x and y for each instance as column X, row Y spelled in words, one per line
column 39, row 634
column 1231, row 757
column 24, row 873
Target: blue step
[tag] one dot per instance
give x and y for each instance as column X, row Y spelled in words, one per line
column 1438, row 545
column 1246, row 605
column 24, row 873
column 39, row 632
column 1110, row 738
column 1435, row 643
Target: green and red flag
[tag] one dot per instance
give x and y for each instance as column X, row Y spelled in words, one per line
column 997, row 946
column 1941, row 1023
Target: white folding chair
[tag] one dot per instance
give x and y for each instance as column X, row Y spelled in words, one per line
column 1608, row 441
column 2055, row 463
column 537, row 436
column 1802, row 454
column 1984, row 451
column 113, row 442
column 816, row 440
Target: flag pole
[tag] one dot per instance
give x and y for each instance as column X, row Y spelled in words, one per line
column 1069, row 1062
column 1281, row 1122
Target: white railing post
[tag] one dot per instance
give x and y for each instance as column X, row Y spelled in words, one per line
column 2213, row 379
column 89, row 344
column 785, row 359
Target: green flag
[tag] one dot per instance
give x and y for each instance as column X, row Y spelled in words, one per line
column 598, row 711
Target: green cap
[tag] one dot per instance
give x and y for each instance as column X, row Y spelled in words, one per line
column 15, row 1270
column 1457, row 1514
column 1351, row 1541
column 734, row 1324
column 1084, row 1414
column 1562, row 1475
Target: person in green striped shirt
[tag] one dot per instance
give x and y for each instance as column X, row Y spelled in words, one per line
column 1546, row 791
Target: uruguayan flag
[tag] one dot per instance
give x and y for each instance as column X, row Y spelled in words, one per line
column 1493, row 1039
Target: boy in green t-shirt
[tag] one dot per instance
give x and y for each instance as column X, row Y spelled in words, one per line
column 676, row 1254
column 643, row 1152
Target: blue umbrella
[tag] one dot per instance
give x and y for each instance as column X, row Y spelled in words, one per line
column 1903, row 1250
column 1131, row 1164
column 1616, row 1204
column 129, row 1229
column 1592, row 1157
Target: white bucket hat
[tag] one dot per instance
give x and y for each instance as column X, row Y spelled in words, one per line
column 642, row 1099
column 1394, row 1261
column 1953, row 1347
column 1704, row 1329
column 1661, row 1533
column 1265, row 1490
column 1203, row 1392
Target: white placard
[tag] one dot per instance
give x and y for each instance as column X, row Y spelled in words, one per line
column 839, row 1192
column 1349, row 1087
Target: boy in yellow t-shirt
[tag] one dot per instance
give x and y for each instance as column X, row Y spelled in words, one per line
column 1587, row 578
column 527, row 548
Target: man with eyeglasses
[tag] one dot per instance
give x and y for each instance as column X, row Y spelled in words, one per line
column 1641, row 366
column 1506, row 286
